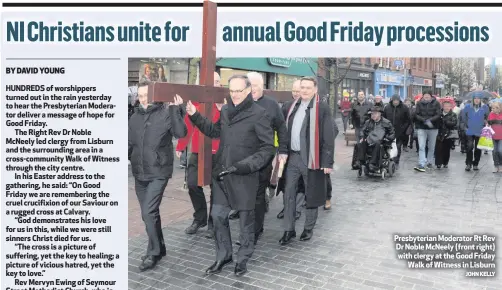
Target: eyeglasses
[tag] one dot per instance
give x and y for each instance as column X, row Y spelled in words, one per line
column 237, row 91
column 296, row 92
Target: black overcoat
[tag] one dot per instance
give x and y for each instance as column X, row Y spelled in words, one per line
column 247, row 143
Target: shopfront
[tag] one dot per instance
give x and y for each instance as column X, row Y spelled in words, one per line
column 356, row 80
column 171, row 70
column 388, row 83
column 420, row 84
column 278, row 73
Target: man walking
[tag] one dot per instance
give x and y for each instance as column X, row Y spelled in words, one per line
column 427, row 121
column 399, row 115
column 246, row 146
column 279, row 126
column 196, row 192
column 311, row 157
column 151, row 131
column 475, row 116
column 359, row 113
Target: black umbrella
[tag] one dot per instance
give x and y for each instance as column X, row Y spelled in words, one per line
column 484, row 95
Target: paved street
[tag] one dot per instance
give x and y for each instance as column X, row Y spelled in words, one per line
column 352, row 246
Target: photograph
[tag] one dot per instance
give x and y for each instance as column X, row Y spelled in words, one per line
column 356, row 146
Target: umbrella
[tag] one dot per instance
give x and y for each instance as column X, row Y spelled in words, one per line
column 483, row 95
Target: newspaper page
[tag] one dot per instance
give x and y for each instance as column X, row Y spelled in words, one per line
column 231, row 145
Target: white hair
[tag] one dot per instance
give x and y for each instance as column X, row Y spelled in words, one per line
column 256, row 76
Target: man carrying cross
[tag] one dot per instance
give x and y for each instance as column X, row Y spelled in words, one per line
column 311, row 157
column 246, row 146
column 151, row 131
column 196, row 192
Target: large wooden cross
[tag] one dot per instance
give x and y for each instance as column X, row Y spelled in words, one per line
column 206, row 94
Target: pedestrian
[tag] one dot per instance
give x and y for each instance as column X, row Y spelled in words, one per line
column 246, row 146
column 446, row 136
column 379, row 102
column 359, row 113
column 279, row 126
column 311, row 156
column 427, row 120
column 474, row 118
column 495, row 121
column 408, row 143
column 201, row 218
column 300, row 193
column 151, row 131
column 399, row 115
column 345, row 106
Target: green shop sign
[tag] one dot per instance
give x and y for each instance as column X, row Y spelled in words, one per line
column 296, row 66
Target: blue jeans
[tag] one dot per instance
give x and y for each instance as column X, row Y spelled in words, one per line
column 497, row 152
column 426, row 137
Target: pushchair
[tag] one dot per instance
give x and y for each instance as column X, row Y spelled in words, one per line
column 387, row 167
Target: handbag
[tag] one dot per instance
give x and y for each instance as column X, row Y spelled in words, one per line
column 453, row 135
column 485, row 141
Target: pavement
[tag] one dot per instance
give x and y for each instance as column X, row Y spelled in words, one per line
column 352, row 247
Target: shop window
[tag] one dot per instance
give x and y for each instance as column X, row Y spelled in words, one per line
column 226, row 73
column 285, row 82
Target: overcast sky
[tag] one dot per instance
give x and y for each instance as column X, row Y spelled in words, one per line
column 488, row 60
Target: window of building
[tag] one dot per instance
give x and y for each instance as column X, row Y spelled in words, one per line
column 175, row 69
column 413, row 62
column 420, row 63
column 285, row 82
column 226, row 73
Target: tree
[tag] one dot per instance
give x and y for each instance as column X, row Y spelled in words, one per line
column 333, row 71
column 494, row 83
column 459, row 71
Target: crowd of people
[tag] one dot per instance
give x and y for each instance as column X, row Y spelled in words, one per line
column 435, row 125
column 254, row 137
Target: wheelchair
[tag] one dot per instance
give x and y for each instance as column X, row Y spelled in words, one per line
column 388, row 166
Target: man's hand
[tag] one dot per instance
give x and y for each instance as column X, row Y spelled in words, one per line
column 361, row 141
column 190, row 108
column 178, row 154
column 177, row 101
column 226, row 172
column 327, row 170
column 219, row 105
column 351, row 127
column 283, row 158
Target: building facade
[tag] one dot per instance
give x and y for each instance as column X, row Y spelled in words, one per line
column 278, row 73
column 171, row 70
column 357, row 76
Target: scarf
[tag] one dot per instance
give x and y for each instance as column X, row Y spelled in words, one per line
column 313, row 154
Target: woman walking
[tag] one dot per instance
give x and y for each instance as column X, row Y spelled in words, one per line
column 447, row 135
column 495, row 121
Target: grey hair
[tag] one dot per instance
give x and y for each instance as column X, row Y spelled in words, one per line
column 242, row 77
column 256, row 76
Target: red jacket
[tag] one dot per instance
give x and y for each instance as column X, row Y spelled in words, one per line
column 193, row 132
column 345, row 105
column 495, row 120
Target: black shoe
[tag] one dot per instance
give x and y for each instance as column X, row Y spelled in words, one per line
column 281, row 214
column 240, row 269
column 468, row 168
column 209, row 234
column 438, row 166
column 475, row 168
column 429, row 165
column 194, row 228
column 287, row 237
column 445, row 166
column 234, row 215
column 148, row 263
column 306, row 235
column 298, row 215
column 162, row 255
column 217, row 266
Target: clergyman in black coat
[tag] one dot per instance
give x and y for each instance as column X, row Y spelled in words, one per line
column 246, row 146
column 151, row 131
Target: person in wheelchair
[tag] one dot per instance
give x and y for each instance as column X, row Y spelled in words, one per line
column 376, row 136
